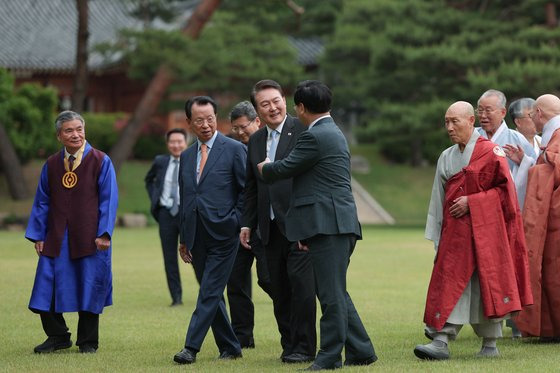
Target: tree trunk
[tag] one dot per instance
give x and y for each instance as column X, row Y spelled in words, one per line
column 81, row 80
column 551, row 20
column 156, row 89
column 12, row 167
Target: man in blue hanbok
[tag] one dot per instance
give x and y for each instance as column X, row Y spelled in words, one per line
column 71, row 224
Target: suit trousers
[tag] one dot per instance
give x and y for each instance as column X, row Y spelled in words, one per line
column 340, row 324
column 212, row 261
column 293, row 293
column 239, row 289
column 169, row 237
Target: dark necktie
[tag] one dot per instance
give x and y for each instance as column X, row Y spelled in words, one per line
column 71, row 160
column 174, row 209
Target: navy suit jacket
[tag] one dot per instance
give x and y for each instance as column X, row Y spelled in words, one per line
column 322, row 200
column 154, row 181
column 217, row 198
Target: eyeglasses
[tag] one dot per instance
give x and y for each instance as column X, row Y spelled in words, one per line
column 199, row 122
column 241, row 127
column 487, row 111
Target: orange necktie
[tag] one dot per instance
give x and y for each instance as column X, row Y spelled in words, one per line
column 203, row 158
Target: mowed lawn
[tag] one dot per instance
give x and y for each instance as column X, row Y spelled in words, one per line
column 387, row 279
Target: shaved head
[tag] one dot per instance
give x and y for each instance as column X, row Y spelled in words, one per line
column 549, row 104
column 546, row 107
column 459, row 122
column 461, row 108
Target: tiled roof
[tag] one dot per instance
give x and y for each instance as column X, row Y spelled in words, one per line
column 41, row 34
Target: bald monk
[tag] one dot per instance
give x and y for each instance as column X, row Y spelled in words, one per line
column 541, row 216
column 480, row 273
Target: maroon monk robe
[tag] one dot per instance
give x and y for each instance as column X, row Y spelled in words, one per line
column 541, row 216
column 489, row 239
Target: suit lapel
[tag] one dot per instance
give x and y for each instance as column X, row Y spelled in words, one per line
column 215, row 153
column 189, row 170
column 261, row 147
column 286, row 138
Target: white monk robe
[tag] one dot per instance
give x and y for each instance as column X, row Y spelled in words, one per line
column 519, row 172
column 468, row 309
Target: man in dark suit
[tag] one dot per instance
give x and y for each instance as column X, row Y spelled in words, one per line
column 162, row 183
column 323, row 219
column 291, row 274
column 244, row 123
column 211, row 183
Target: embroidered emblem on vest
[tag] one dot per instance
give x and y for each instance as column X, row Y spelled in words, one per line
column 69, row 179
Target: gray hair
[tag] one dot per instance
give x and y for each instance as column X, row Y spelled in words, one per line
column 243, row 109
column 67, row 116
column 517, row 108
column 494, row 92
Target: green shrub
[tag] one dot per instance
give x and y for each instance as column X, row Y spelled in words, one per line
column 27, row 113
column 101, row 131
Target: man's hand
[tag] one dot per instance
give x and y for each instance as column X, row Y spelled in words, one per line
column 260, row 165
column 184, row 253
column 460, row 207
column 302, row 246
column 103, row 242
column 514, row 152
column 244, row 237
column 39, row 247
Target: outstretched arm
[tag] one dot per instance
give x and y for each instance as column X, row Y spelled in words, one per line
column 304, row 155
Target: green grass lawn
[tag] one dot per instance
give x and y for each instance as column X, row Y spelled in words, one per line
column 402, row 190
column 387, row 279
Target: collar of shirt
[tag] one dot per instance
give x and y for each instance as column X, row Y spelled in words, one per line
column 318, row 119
column 498, row 132
column 77, row 156
column 552, row 125
column 79, row 153
column 209, row 143
column 278, row 129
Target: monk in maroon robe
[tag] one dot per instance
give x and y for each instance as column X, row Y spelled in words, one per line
column 480, row 272
column 541, row 217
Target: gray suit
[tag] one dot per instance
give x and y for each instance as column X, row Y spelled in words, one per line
column 323, row 215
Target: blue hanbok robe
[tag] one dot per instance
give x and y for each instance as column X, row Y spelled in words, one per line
column 83, row 284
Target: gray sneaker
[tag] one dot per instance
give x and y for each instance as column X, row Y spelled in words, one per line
column 488, row 352
column 432, row 351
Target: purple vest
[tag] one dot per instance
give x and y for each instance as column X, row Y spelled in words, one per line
column 75, row 209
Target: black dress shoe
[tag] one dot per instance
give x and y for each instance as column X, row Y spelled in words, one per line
column 226, row 355
column 315, row 366
column 185, row 356
column 368, row 361
column 296, row 357
column 176, row 303
column 52, row 344
column 88, row 349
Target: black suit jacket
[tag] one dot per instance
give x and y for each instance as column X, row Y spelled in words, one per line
column 258, row 194
column 154, row 181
